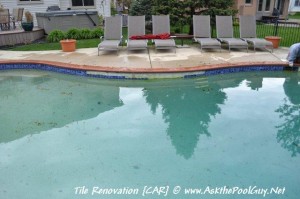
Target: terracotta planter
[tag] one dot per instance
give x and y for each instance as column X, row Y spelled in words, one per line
column 68, row 45
column 275, row 40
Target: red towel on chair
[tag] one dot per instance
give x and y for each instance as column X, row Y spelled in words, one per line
column 150, row 36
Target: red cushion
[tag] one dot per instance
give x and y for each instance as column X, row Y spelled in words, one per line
column 150, row 36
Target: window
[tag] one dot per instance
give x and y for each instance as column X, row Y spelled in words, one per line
column 248, row 1
column 23, row 2
column 264, row 6
column 268, row 5
column 83, row 3
column 297, row 3
column 260, row 5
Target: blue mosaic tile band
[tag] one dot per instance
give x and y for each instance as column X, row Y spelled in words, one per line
column 51, row 68
column 83, row 73
column 236, row 70
column 42, row 67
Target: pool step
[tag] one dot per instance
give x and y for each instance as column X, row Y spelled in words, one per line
column 201, row 83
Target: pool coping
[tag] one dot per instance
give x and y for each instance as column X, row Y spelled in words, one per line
column 142, row 73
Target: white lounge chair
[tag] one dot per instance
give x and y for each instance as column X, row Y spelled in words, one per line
column 136, row 26
column 160, row 25
column 225, row 33
column 248, row 33
column 112, row 34
column 202, row 32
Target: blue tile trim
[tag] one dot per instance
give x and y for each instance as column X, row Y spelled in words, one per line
column 51, row 68
column 236, row 70
column 83, row 73
column 42, row 67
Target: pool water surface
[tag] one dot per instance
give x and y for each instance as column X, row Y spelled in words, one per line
column 63, row 136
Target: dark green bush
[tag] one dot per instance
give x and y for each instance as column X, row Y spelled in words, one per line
column 96, row 33
column 73, row 33
column 86, row 34
column 55, row 36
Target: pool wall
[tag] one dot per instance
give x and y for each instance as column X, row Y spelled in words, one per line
column 106, row 73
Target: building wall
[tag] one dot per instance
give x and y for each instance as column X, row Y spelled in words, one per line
column 286, row 8
column 63, row 4
column 252, row 9
column 292, row 7
column 246, row 9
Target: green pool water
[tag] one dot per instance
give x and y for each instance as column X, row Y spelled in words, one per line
column 231, row 135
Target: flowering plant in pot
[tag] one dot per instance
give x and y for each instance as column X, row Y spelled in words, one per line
column 28, row 24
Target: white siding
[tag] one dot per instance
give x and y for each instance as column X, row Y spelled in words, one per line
column 33, row 8
column 105, row 6
column 63, row 4
column 293, row 8
column 105, row 10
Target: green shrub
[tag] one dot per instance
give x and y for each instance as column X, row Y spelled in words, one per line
column 73, row 33
column 85, row 34
column 177, row 30
column 97, row 32
column 55, row 36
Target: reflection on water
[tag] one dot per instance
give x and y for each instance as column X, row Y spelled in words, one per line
column 289, row 131
column 187, row 111
column 58, row 132
column 35, row 102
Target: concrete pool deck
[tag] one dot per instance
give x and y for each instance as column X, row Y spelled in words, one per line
column 164, row 61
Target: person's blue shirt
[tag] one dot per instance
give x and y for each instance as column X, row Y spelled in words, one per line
column 294, row 52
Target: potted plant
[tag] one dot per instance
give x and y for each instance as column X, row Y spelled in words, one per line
column 28, row 24
column 274, row 39
column 68, row 45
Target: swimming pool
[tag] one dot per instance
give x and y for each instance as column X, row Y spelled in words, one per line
column 69, row 137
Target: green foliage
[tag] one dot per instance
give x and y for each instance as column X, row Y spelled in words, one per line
column 73, row 33
column 141, row 7
column 294, row 15
column 87, row 43
column 101, row 20
column 96, row 33
column 181, row 12
column 236, row 22
column 55, row 36
column 86, row 34
column 113, row 10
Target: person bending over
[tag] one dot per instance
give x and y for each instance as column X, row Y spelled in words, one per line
column 294, row 54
